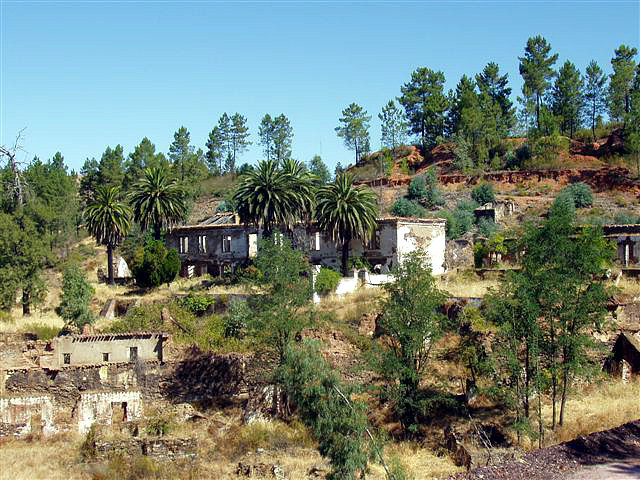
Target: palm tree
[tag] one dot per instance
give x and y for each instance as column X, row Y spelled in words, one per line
column 157, row 201
column 347, row 212
column 108, row 220
column 268, row 197
column 304, row 184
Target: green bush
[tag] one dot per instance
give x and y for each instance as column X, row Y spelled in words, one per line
column 581, row 194
column 417, row 188
column 483, row 194
column 407, row 208
column 158, row 425
column 154, row 265
column 196, row 304
column 547, row 149
column 486, row 227
column 76, row 298
column 327, row 281
column 237, row 319
column 359, row 263
column 139, row 319
column 626, row 218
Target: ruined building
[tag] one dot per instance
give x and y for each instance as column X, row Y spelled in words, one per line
column 221, row 244
column 71, row 382
column 627, row 241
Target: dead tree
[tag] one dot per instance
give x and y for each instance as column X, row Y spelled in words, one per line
column 17, row 182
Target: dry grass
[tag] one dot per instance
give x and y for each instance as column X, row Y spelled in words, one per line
column 465, row 284
column 51, row 459
column 596, row 407
column 629, row 286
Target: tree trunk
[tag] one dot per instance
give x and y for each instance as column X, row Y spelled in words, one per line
column 157, row 231
column 26, row 302
column 554, row 392
column 565, row 382
column 345, row 256
column 526, row 383
column 593, row 124
column 110, row 264
column 538, row 110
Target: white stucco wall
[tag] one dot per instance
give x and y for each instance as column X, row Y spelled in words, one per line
column 98, row 408
column 21, row 410
column 428, row 237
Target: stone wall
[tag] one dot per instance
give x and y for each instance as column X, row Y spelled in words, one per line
column 159, row 448
column 80, row 396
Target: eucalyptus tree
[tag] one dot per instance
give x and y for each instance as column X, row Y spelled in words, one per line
column 346, row 212
column 108, row 220
column 158, row 201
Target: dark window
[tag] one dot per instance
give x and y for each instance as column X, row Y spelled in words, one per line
column 133, row 354
column 105, row 357
column 66, row 358
column 226, row 244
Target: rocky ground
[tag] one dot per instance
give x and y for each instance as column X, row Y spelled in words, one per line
column 617, row 450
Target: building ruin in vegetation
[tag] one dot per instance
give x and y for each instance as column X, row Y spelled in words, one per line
column 221, row 244
column 627, row 241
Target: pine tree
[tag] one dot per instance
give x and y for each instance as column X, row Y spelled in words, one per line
column 180, row 150
column 110, row 169
column 621, row 83
column 490, row 82
column 566, row 98
column 143, row 156
column 318, row 168
column 393, row 125
column 595, row 94
column 215, row 151
column 282, row 138
column 425, row 105
column 354, row 129
column 536, row 68
column 239, row 134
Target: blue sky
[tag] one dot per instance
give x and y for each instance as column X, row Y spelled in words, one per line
column 81, row 76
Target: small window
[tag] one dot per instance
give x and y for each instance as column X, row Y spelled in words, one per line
column 184, row 244
column 133, row 354
column 105, row 357
column 226, row 243
column 66, row 358
column 202, row 243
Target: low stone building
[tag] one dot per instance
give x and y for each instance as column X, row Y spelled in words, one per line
column 104, row 348
column 221, row 244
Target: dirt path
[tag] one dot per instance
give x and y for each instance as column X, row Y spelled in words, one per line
column 609, row 455
column 609, row 471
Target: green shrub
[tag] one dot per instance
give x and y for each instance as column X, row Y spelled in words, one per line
column 483, row 194
column 237, row 319
column 359, row 263
column 417, row 188
column 626, row 218
column 88, row 445
column 158, row 425
column 139, row 319
column 76, row 298
column 327, row 281
column 196, row 304
column 486, row 227
column 407, row 208
column 154, row 265
column 581, row 194
column 547, row 149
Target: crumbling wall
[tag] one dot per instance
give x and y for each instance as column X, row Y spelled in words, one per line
column 22, row 415
column 101, row 407
column 430, row 238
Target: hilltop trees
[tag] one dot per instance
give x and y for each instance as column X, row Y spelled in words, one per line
column 491, row 83
column 157, row 201
column 108, row 220
column 595, row 94
column 567, row 98
column 425, row 105
column 346, row 212
column 354, row 130
column 143, row 156
column 536, row 68
column 318, row 168
column 276, row 135
column 393, row 125
column 186, row 162
column 620, row 88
